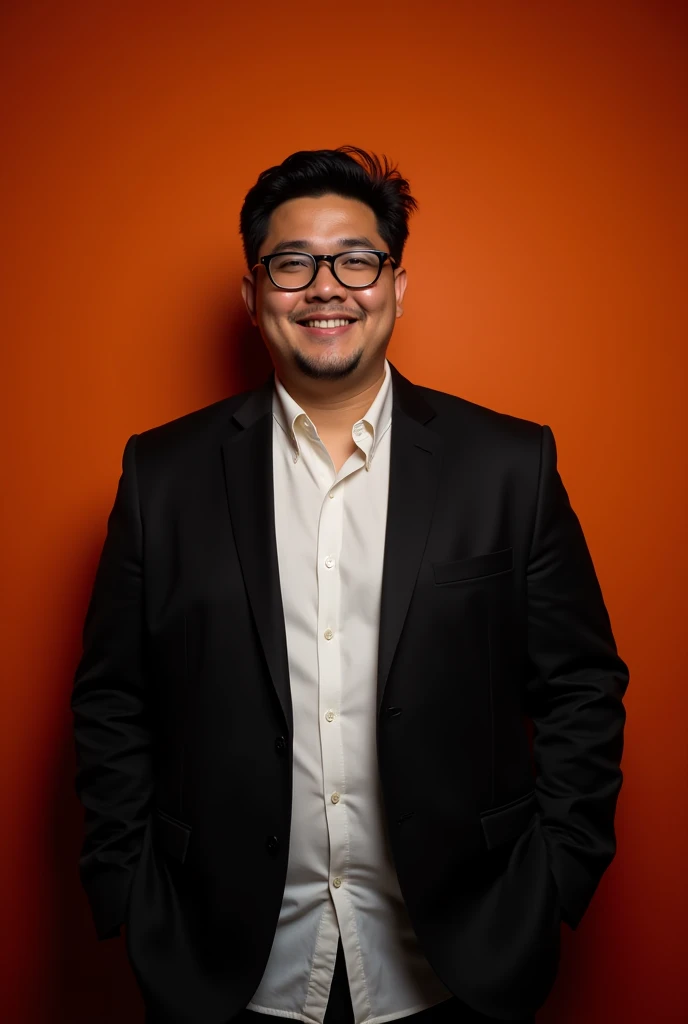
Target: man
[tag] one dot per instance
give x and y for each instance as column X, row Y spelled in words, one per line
column 324, row 613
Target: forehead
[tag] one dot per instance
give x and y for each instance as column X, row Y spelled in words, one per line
column 320, row 222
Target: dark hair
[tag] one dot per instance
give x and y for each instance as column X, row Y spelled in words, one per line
column 345, row 171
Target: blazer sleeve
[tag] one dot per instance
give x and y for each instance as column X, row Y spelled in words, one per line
column 111, row 728
column 574, row 694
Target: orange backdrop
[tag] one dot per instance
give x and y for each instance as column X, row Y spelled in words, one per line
column 546, row 143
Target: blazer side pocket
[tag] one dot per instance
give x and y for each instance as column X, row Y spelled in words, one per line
column 478, row 566
column 507, row 822
column 171, row 836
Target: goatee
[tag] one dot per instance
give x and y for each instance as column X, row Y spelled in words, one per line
column 332, row 369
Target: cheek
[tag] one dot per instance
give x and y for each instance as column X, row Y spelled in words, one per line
column 274, row 307
column 378, row 305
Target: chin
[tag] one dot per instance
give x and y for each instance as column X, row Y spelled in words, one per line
column 327, row 366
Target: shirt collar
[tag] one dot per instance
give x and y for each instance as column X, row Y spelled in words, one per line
column 366, row 432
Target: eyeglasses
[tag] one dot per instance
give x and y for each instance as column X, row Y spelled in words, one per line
column 355, row 268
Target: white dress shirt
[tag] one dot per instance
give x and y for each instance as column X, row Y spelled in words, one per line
column 330, row 531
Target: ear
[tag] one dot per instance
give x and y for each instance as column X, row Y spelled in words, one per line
column 399, row 289
column 248, row 293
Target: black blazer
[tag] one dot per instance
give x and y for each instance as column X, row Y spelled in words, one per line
column 491, row 615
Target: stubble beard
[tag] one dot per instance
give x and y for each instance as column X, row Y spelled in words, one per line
column 332, row 367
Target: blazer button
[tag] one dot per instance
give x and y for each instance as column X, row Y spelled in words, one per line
column 281, row 745
column 272, row 844
column 393, row 712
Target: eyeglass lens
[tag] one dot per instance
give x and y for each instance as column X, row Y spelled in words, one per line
column 296, row 270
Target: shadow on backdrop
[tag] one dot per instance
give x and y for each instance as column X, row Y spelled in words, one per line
column 91, row 980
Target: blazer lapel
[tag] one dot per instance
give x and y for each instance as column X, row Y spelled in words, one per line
column 249, row 483
column 415, row 460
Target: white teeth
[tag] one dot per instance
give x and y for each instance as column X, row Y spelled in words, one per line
column 326, row 323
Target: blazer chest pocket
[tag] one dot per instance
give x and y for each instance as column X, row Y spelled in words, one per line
column 171, row 836
column 507, row 822
column 494, row 563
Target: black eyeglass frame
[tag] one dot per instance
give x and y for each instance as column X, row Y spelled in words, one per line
column 329, row 259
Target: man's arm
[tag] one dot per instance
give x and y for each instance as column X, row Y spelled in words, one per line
column 574, row 696
column 114, row 777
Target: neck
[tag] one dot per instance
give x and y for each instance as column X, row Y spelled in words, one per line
column 334, row 406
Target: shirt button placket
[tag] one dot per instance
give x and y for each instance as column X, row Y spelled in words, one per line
column 328, row 554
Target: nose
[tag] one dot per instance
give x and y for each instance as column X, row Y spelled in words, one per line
column 324, row 286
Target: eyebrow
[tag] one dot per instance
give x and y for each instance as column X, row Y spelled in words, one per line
column 302, row 245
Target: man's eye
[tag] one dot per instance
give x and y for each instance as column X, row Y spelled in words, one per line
column 290, row 263
column 360, row 260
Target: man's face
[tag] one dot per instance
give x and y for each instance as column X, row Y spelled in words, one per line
column 326, row 224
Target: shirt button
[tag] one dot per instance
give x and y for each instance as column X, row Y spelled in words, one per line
column 280, row 745
column 329, row 562
column 331, row 495
column 335, row 798
column 329, row 716
column 328, row 634
column 336, row 882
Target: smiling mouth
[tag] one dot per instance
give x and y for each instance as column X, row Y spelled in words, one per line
column 325, row 323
